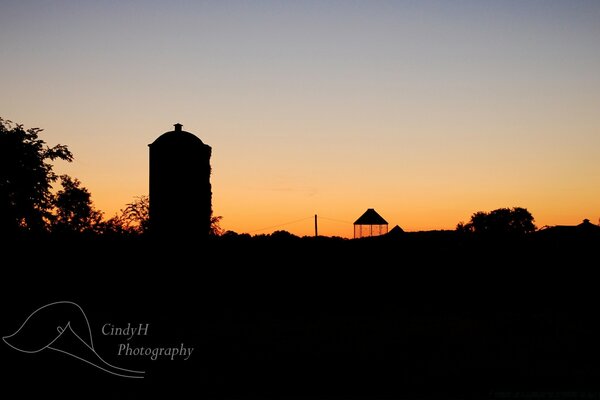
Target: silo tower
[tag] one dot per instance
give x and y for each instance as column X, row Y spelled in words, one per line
column 180, row 190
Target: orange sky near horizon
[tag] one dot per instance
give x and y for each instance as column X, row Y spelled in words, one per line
column 426, row 111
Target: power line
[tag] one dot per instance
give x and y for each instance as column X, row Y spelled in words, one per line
column 299, row 220
column 335, row 220
column 284, row 224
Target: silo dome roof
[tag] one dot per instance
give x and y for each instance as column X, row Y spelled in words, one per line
column 178, row 136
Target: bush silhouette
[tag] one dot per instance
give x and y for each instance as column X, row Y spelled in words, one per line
column 502, row 221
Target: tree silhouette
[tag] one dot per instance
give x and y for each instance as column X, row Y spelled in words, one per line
column 74, row 211
column 502, row 221
column 215, row 226
column 133, row 220
column 136, row 214
column 26, row 177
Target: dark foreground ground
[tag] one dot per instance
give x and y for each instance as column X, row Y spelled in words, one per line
column 419, row 316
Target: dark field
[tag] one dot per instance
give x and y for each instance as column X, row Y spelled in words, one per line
column 424, row 315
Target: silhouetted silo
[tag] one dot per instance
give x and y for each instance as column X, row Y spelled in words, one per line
column 180, row 190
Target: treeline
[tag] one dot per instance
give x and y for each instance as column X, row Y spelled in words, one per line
column 36, row 201
column 30, row 207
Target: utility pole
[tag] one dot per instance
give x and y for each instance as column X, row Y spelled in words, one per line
column 316, row 229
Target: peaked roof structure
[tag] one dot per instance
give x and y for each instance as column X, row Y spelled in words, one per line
column 396, row 231
column 370, row 217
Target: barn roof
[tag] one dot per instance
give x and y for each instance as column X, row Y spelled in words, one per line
column 370, row 217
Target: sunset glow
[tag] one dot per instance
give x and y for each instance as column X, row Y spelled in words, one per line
column 426, row 111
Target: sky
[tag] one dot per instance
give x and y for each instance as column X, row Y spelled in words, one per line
column 427, row 111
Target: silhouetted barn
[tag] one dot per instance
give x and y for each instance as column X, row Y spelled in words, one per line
column 370, row 224
column 582, row 231
column 180, row 190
